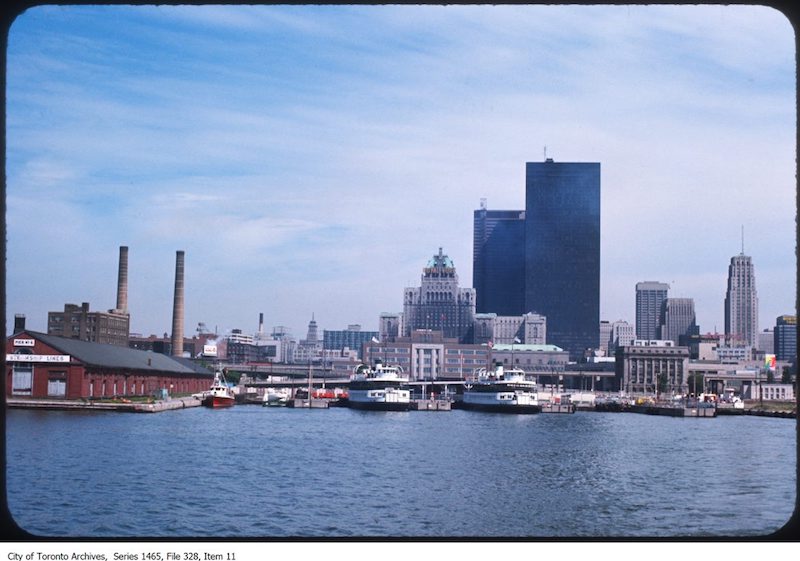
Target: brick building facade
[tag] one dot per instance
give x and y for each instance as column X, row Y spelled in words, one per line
column 48, row 366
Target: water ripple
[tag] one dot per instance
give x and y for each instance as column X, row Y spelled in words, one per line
column 342, row 473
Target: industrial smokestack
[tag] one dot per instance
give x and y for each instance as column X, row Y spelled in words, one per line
column 177, row 307
column 261, row 323
column 122, row 281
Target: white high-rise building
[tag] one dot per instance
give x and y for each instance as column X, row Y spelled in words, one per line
column 622, row 335
column 615, row 334
column 741, row 303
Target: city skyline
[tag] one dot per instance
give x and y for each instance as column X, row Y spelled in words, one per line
column 310, row 160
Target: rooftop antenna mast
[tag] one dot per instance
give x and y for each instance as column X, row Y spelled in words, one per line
column 545, row 153
column 742, row 239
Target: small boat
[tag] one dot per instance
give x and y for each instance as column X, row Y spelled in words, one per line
column 276, row 397
column 220, row 394
column 381, row 388
column 501, row 391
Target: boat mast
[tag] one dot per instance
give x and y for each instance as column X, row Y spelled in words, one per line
column 309, row 381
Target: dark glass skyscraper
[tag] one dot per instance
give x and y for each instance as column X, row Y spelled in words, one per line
column 650, row 298
column 562, row 251
column 498, row 261
column 785, row 337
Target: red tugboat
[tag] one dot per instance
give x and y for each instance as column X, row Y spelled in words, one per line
column 220, row 395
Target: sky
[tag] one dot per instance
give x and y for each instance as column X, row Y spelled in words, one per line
column 310, row 160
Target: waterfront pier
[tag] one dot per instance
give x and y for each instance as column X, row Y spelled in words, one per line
column 153, row 406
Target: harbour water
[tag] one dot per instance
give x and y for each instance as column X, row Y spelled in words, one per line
column 255, row 472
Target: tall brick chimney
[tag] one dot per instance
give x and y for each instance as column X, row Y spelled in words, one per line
column 177, row 307
column 122, row 281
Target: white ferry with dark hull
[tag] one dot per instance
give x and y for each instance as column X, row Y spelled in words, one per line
column 502, row 391
column 380, row 388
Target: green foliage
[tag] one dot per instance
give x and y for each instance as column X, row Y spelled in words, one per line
column 695, row 383
column 663, row 382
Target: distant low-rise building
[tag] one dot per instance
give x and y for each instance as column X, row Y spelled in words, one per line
column 735, row 354
column 652, row 367
column 350, row 338
column 774, row 392
column 428, row 355
column 77, row 322
column 536, row 359
column 162, row 344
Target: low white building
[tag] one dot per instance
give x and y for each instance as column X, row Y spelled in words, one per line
column 775, row 392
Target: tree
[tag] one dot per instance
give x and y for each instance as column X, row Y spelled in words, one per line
column 663, row 382
column 696, row 383
column 786, row 376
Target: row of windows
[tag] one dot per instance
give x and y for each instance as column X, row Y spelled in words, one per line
column 465, row 361
column 466, row 352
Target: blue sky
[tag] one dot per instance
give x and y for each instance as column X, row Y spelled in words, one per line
column 311, row 159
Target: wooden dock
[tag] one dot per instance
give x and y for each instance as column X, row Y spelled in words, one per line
column 300, row 403
column 702, row 412
column 96, row 405
column 558, row 408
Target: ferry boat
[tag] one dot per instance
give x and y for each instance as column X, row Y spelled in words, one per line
column 220, row 394
column 502, row 391
column 382, row 388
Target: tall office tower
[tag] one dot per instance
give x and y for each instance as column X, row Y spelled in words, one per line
column 439, row 304
column 785, row 338
column 498, row 261
column 678, row 320
column 562, row 251
column 741, row 303
column 604, row 342
column 310, row 348
column 312, row 335
column 650, row 298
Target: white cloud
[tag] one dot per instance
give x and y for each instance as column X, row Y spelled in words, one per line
column 300, row 143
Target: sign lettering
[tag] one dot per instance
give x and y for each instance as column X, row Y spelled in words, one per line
column 37, row 358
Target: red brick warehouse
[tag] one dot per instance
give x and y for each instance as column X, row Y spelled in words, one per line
column 48, row 366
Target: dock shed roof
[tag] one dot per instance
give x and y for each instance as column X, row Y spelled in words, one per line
column 114, row 356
